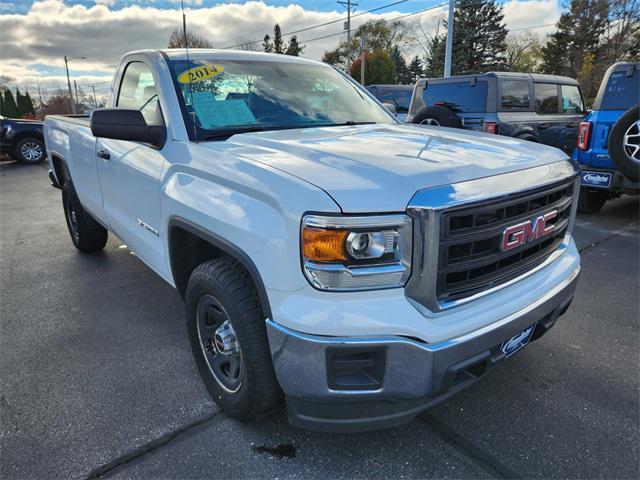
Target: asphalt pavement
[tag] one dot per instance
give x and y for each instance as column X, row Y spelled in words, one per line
column 97, row 378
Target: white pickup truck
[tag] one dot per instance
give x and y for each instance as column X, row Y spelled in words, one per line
column 361, row 268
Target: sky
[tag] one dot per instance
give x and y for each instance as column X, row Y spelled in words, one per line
column 37, row 34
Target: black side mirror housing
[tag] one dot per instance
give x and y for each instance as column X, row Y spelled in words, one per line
column 124, row 124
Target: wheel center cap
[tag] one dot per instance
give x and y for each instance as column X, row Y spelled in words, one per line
column 225, row 340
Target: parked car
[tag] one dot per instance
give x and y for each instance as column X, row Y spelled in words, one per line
column 365, row 268
column 397, row 95
column 22, row 139
column 539, row 108
column 608, row 149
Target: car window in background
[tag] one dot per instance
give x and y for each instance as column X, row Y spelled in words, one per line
column 515, row 94
column 546, row 95
column 457, row 95
column 400, row 98
column 571, row 99
column 622, row 92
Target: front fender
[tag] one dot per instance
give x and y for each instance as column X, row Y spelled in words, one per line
column 253, row 211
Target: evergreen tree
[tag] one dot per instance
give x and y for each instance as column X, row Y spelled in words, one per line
column 416, row 69
column 1, row 102
column 10, row 108
column 267, row 46
column 278, row 46
column 579, row 47
column 479, row 40
column 402, row 71
column 434, row 65
column 29, row 109
column 294, row 48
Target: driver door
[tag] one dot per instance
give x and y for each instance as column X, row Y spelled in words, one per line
column 130, row 172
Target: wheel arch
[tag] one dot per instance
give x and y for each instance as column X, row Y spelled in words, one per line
column 60, row 169
column 190, row 245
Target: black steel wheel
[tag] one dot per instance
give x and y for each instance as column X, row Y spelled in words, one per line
column 218, row 343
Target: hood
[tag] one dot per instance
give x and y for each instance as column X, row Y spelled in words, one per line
column 378, row 168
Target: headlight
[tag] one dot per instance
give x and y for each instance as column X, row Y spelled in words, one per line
column 356, row 253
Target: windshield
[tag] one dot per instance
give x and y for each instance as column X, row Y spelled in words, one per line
column 236, row 96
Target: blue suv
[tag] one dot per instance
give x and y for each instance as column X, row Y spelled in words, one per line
column 608, row 148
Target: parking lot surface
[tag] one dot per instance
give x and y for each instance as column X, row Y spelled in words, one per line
column 98, row 380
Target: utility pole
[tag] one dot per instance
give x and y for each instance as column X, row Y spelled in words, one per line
column 362, row 59
column 75, row 85
column 95, row 100
column 347, row 26
column 66, row 67
column 449, row 47
column 40, row 97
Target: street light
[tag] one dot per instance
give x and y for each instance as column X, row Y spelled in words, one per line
column 66, row 66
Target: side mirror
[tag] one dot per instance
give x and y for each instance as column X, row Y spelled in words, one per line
column 391, row 107
column 123, row 124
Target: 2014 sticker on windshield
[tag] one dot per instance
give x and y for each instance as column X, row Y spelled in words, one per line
column 200, row 73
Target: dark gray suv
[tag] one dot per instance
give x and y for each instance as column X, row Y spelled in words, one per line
column 540, row 108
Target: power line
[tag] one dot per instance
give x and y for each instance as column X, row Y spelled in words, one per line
column 312, row 27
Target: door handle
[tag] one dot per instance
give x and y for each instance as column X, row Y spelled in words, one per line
column 104, row 154
column 542, row 126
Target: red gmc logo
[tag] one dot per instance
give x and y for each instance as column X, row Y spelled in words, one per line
column 523, row 233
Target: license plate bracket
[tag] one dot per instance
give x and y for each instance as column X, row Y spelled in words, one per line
column 518, row 341
column 595, row 179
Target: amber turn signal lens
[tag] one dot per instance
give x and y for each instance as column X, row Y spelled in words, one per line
column 322, row 245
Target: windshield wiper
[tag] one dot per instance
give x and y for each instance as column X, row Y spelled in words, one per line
column 343, row 124
column 224, row 133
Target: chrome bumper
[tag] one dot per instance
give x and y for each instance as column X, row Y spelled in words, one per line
column 357, row 384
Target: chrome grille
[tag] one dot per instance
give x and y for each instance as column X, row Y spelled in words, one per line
column 470, row 259
column 457, row 229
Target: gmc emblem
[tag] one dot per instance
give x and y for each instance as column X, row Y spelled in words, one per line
column 523, row 233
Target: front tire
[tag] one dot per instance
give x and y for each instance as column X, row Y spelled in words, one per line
column 228, row 338
column 30, row 150
column 87, row 235
column 591, row 201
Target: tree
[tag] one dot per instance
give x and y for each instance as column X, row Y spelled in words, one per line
column 479, row 40
column 403, row 75
column 278, row 46
column 524, row 53
column 578, row 48
column 294, row 48
column 176, row 40
column 434, row 65
column 24, row 104
column 378, row 68
column 2, row 102
column 378, row 34
column 267, row 46
column 10, row 109
column 416, row 69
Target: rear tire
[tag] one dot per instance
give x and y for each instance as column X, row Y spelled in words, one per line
column 87, row 235
column 624, row 144
column 437, row 116
column 30, row 150
column 222, row 309
column 591, row 201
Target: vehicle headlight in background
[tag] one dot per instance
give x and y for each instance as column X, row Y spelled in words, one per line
column 356, row 253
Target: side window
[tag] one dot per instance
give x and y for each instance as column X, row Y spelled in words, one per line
column 571, row 99
column 515, row 94
column 546, row 95
column 138, row 92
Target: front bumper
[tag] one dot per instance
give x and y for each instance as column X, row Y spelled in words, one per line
column 358, row 383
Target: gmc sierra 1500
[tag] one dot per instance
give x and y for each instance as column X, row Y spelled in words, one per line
column 363, row 268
